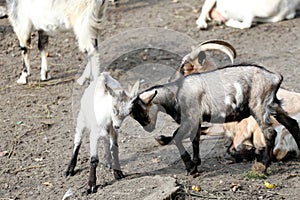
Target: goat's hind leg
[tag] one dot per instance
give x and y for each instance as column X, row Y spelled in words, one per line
column 288, row 122
column 25, row 41
column 42, row 43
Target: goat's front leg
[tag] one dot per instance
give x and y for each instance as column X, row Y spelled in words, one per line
column 42, row 43
column 114, row 147
column 94, row 140
column 207, row 7
column 185, row 156
column 77, row 143
column 289, row 123
column 188, row 128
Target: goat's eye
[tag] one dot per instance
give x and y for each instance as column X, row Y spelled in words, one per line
column 116, row 111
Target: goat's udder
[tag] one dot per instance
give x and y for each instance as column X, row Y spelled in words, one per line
column 216, row 15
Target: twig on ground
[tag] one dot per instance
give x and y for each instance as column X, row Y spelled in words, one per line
column 276, row 193
column 51, row 82
column 15, row 141
column 29, row 167
column 292, row 176
column 11, row 149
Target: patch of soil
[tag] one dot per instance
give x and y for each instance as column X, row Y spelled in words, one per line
column 38, row 119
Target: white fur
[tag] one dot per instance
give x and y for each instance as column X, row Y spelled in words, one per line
column 50, row 16
column 239, row 93
column 285, row 142
column 104, row 105
column 242, row 13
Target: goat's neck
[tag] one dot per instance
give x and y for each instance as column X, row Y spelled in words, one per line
column 166, row 100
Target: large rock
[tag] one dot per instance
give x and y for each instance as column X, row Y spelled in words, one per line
column 147, row 188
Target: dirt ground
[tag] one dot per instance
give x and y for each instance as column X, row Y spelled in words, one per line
column 140, row 39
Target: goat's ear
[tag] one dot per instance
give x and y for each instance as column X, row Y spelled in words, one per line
column 111, row 91
column 134, row 90
column 201, row 57
column 147, row 97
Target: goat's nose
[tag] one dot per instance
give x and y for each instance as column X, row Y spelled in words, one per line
column 116, row 126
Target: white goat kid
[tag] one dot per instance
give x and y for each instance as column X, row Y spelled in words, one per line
column 242, row 13
column 104, row 105
column 49, row 16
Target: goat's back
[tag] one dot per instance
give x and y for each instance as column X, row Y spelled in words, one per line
column 228, row 90
column 96, row 104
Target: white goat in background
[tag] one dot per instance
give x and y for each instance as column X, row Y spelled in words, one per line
column 48, row 16
column 104, row 106
column 242, row 13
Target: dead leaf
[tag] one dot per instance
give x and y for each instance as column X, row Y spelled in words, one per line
column 47, row 183
column 155, row 160
column 234, row 187
column 196, row 188
column 38, row 159
column 269, row 185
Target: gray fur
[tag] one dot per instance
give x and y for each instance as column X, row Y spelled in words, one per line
column 223, row 95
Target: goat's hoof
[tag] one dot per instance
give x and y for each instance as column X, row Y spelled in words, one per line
column 259, row 167
column 230, row 159
column 69, row 173
column 92, row 190
column 201, row 25
column 163, row 140
column 82, row 80
column 46, row 76
column 194, row 173
column 193, row 170
column 118, row 174
column 22, row 81
column 115, row 3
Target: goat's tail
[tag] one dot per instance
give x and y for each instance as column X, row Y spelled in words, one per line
column 87, row 23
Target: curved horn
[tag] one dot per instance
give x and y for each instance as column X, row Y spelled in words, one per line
column 220, row 45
